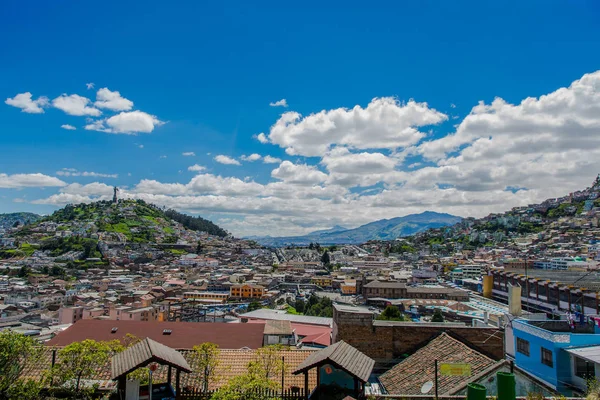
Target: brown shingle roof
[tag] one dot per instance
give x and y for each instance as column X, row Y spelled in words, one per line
column 344, row 356
column 141, row 353
column 183, row 335
column 407, row 377
column 273, row 327
column 231, row 363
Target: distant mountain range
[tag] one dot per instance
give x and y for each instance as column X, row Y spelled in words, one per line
column 22, row 218
column 385, row 229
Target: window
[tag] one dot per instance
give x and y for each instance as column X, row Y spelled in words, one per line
column 523, row 346
column 583, row 369
column 547, row 357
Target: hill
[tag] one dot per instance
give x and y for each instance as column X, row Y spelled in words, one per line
column 21, row 218
column 385, row 229
column 137, row 220
column 87, row 231
column 572, row 215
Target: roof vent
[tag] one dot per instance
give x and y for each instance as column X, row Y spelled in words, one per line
column 114, row 330
column 167, row 331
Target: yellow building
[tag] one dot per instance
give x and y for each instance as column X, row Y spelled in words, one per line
column 323, row 281
column 348, row 287
column 247, row 291
column 212, row 297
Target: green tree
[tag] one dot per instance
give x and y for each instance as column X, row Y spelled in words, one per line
column 326, row 258
column 208, row 360
column 299, row 306
column 391, row 313
column 82, row 360
column 268, row 361
column 24, row 271
column 437, row 316
column 17, row 351
column 250, row 386
column 255, row 305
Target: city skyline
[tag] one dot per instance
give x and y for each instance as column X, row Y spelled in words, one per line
column 278, row 121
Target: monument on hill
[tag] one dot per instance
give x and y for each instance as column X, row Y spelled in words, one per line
column 115, row 189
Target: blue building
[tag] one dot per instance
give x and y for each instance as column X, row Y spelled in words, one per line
column 545, row 350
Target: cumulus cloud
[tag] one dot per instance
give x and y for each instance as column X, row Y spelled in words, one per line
column 222, row 159
column 549, row 145
column 75, row 172
column 261, row 137
column 188, row 154
column 298, row 173
column 18, row 181
column 128, row 123
column 25, row 102
column 279, row 103
column 385, row 123
column 112, row 100
column 68, row 127
column 271, row 160
column 196, row 168
column 251, row 157
column 75, row 105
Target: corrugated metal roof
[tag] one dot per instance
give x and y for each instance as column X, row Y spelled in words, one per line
column 344, row 356
column 590, row 353
column 144, row 351
column 275, row 315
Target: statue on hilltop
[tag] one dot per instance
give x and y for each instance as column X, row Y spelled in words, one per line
column 115, row 190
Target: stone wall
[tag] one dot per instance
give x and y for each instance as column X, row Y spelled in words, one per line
column 387, row 341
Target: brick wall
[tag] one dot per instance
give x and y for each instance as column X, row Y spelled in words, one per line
column 384, row 343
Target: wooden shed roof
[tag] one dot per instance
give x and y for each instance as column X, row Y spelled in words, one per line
column 142, row 354
column 343, row 356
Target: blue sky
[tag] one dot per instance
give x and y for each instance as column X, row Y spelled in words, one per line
column 199, row 77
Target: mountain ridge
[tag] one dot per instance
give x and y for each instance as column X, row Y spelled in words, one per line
column 384, row 229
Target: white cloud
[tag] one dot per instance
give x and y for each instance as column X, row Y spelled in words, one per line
column 128, row 123
column 18, row 181
column 90, row 189
column 261, row 137
column 226, row 160
column 271, row 160
column 196, row 168
column 25, row 102
column 112, row 100
column 452, row 105
column 279, row 103
column 549, row 145
column 75, row 105
column 63, row 199
column 384, row 124
column 68, row 127
column 89, row 86
column 251, row 157
column 75, row 172
column 161, row 157
column 141, row 146
column 189, row 154
column 298, row 173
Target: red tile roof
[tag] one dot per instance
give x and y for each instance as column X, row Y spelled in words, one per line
column 184, row 335
column 231, row 363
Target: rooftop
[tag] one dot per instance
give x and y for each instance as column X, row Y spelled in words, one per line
column 182, row 335
column 407, row 377
column 267, row 314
